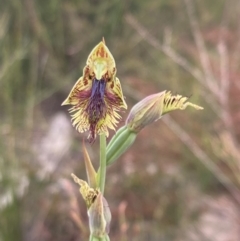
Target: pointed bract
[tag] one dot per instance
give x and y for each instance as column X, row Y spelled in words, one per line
column 91, row 173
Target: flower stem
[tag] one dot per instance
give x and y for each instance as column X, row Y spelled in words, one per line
column 102, row 168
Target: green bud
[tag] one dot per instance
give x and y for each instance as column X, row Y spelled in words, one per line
column 146, row 112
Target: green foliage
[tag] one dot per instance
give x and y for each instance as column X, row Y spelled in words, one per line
column 11, row 224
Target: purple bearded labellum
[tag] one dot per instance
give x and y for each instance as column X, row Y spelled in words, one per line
column 96, row 108
column 97, row 95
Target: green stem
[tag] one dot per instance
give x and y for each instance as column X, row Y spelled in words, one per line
column 105, row 238
column 102, row 168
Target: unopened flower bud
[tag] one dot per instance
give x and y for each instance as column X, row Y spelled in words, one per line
column 146, row 112
column 98, row 210
column 99, row 217
column 153, row 107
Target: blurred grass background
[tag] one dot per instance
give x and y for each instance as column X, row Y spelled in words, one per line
column 180, row 181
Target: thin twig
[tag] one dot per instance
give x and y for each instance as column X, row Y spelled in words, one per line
column 204, row 58
column 196, row 73
column 203, row 157
column 174, row 56
column 224, row 85
column 35, row 24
